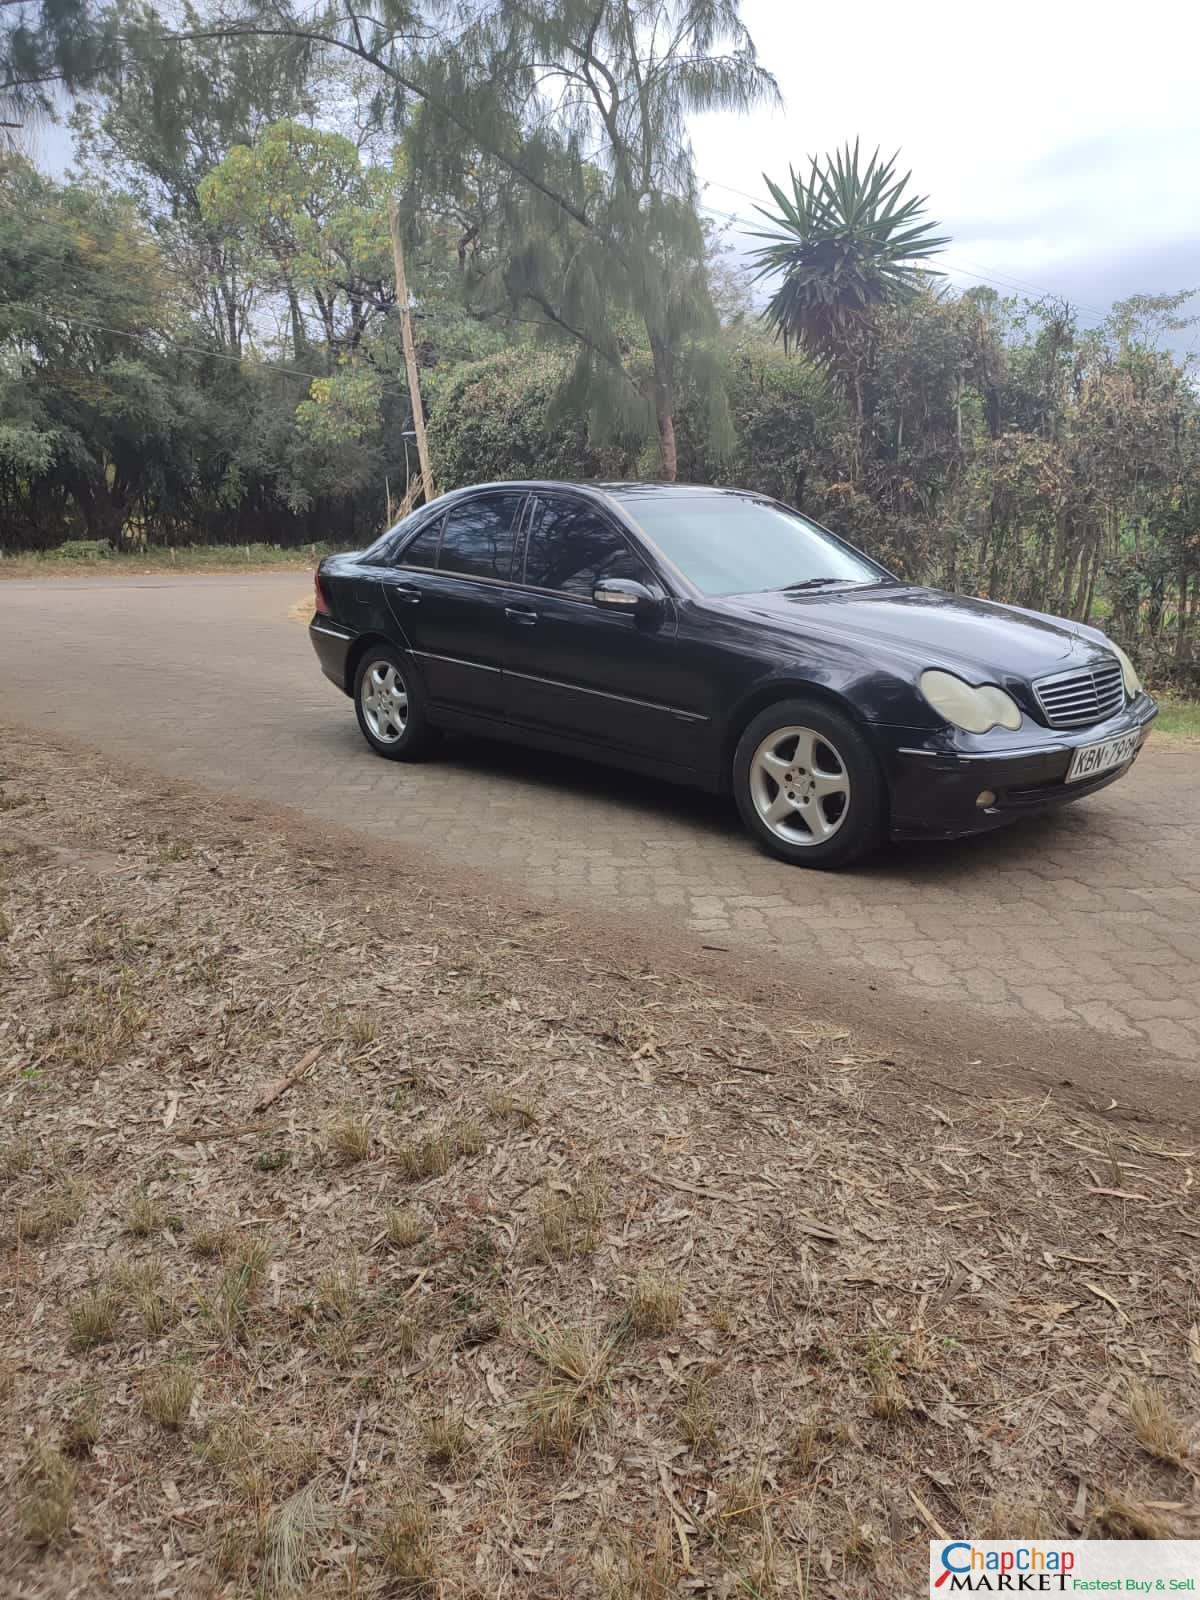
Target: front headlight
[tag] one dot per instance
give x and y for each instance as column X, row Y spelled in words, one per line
column 1133, row 684
column 973, row 710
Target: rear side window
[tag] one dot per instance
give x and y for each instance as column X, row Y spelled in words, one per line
column 479, row 536
column 422, row 552
column 570, row 547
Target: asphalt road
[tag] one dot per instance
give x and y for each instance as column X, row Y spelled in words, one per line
column 1081, row 930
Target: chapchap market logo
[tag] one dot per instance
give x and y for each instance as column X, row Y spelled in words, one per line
column 1020, row 1569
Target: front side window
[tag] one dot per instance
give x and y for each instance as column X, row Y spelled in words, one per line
column 738, row 544
column 479, row 536
column 570, row 547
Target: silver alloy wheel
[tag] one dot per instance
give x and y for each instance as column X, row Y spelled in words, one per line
column 800, row 786
column 384, row 702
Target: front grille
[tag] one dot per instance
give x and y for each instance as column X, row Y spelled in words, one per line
column 1077, row 699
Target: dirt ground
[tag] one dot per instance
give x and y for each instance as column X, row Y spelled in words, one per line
column 362, row 1235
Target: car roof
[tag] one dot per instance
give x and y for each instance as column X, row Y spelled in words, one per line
column 616, row 488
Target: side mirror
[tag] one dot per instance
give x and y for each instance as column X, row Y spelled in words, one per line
column 625, row 594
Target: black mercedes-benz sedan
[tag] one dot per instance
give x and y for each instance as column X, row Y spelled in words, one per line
column 720, row 639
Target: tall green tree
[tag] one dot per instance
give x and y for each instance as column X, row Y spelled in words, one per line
column 844, row 243
column 156, row 127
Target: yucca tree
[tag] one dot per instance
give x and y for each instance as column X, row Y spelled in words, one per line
column 845, row 241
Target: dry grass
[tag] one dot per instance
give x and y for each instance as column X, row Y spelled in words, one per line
column 167, row 1396
column 16, row 1157
column 736, row 1279
column 47, row 1494
column 570, row 1223
column 405, row 1229
column 654, row 1305
column 349, row 1140
column 1159, row 1431
column 444, row 1439
column 429, row 1157
column 143, row 1216
column 93, row 1318
column 406, row 1550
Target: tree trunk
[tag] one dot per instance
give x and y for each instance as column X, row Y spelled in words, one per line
column 664, row 409
column 1181, row 620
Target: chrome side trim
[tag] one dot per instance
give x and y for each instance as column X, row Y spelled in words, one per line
column 603, row 694
column 454, row 661
column 333, row 629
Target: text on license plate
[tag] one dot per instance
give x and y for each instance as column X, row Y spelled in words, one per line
column 1090, row 759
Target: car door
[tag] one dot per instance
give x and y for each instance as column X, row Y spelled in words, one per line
column 581, row 672
column 447, row 592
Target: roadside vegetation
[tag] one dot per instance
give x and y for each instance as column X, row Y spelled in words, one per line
column 358, row 1240
column 200, row 340
column 100, row 559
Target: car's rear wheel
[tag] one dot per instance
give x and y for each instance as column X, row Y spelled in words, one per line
column 808, row 786
column 390, row 706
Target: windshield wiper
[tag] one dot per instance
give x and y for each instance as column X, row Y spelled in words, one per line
column 816, row 583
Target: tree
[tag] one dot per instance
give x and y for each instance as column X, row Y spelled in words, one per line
column 160, row 125
column 606, row 250
column 85, row 393
column 845, row 243
column 315, row 223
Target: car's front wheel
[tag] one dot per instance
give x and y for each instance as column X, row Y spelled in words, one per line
column 390, row 707
column 808, row 786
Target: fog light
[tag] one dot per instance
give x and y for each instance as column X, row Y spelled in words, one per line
column 985, row 798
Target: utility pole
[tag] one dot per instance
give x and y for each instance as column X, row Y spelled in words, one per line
column 410, row 352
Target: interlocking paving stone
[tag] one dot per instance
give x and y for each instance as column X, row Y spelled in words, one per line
column 1090, row 917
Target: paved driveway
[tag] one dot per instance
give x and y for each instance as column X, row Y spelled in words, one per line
column 1089, row 918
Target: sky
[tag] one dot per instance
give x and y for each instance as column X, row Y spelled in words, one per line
column 1058, row 142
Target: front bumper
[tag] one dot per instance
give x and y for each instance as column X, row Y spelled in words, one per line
column 935, row 786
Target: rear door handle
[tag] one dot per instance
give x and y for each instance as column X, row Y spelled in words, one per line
column 522, row 615
column 407, row 593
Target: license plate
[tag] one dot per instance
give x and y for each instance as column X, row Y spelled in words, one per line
column 1091, row 759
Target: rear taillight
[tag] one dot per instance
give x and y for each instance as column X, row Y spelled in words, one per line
column 322, row 598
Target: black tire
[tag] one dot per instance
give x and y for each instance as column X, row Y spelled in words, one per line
column 855, row 819
column 417, row 738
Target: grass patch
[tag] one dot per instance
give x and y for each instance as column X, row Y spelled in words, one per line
column 655, row 1305
column 143, row 1216
column 212, row 1239
column 93, row 1318
column 444, row 1439
column 84, row 556
column 16, row 1157
column 698, row 1416
column 1158, row 1430
column 569, row 1224
column 429, row 1157
column 60, row 1210
column 405, row 1550
column 1179, row 719
column 47, row 1495
column 349, row 1141
column 405, row 1228
column 167, row 1396
column 81, row 1427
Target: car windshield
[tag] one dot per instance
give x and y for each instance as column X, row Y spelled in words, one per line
column 735, row 544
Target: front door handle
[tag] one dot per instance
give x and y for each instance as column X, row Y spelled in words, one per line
column 522, row 615
column 407, row 593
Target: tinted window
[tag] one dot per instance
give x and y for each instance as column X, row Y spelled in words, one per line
column 733, row 544
column 422, row 552
column 479, row 535
column 571, row 546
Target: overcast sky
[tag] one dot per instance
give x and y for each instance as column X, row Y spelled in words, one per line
column 1058, row 142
